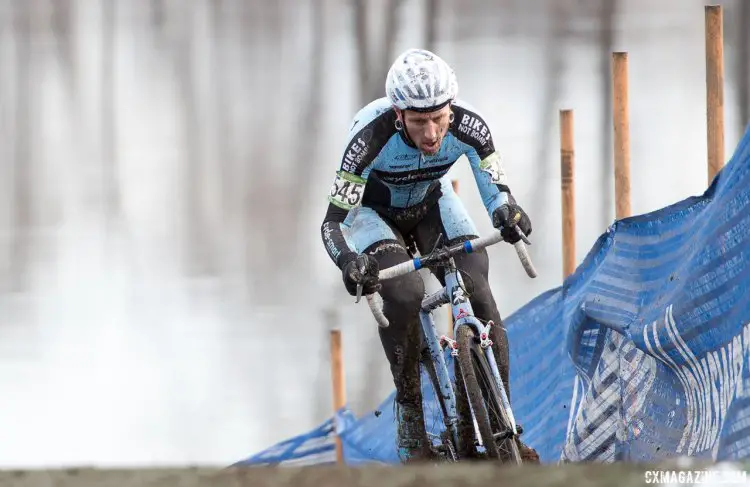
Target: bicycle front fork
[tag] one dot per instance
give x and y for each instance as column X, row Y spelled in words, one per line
column 503, row 396
column 446, row 391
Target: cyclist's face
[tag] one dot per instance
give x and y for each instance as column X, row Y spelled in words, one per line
column 427, row 130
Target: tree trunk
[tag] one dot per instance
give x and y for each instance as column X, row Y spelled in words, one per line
column 6, row 168
column 363, row 51
column 263, row 209
column 378, row 74
column 606, row 43
column 301, row 190
column 743, row 70
column 109, row 160
column 554, row 67
column 222, row 109
column 199, row 252
column 157, row 13
column 62, row 25
column 371, row 75
column 22, row 156
column 431, row 16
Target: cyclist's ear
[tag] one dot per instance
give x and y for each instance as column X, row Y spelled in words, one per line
column 399, row 117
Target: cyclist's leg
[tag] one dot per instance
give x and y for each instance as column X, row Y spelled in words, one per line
column 368, row 233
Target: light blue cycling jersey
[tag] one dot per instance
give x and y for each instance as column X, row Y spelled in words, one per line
column 382, row 168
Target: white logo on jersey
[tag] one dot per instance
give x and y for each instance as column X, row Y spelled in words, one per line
column 474, row 128
column 493, row 166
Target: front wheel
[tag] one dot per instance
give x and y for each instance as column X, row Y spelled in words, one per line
column 484, row 397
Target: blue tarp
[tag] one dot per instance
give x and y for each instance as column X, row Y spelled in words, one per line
column 640, row 355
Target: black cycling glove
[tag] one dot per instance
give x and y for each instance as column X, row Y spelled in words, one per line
column 362, row 269
column 506, row 217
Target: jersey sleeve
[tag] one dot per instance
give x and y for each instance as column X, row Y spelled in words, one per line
column 486, row 164
column 367, row 137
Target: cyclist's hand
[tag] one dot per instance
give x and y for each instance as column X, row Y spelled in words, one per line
column 361, row 270
column 506, row 217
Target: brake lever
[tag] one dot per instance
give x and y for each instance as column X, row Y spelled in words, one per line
column 438, row 242
column 523, row 237
column 362, row 271
column 359, row 292
column 437, row 253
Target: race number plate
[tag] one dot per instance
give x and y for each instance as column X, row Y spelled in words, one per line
column 347, row 190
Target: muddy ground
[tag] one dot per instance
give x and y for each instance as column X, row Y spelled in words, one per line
column 579, row 475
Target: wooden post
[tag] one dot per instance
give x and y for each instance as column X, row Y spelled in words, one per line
column 715, row 88
column 621, row 134
column 567, row 166
column 339, row 393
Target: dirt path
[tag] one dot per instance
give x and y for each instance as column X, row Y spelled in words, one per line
column 580, row 475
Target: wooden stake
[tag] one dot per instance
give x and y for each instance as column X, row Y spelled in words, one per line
column 621, row 134
column 715, row 88
column 339, row 393
column 567, row 166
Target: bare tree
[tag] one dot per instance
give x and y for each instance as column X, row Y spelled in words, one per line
column 307, row 146
column 554, row 67
column 253, row 36
column 607, row 18
column 266, row 34
column 157, row 13
column 6, row 167
column 363, row 53
column 62, row 25
column 221, row 105
column 377, row 75
column 110, row 166
column 372, row 74
column 743, row 70
column 200, row 256
column 64, row 28
column 22, row 157
column 432, row 14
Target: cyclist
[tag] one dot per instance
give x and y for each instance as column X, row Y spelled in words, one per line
column 390, row 197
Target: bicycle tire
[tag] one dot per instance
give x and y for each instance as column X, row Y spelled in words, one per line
column 499, row 420
column 482, row 391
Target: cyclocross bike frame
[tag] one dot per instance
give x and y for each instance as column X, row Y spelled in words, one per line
column 463, row 315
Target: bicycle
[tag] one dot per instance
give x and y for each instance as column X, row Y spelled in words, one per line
column 483, row 388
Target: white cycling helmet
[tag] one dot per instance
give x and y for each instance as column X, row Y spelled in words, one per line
column 420, row 80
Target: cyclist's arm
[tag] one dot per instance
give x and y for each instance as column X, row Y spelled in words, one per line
column 370, row 132
column 339, row 204
column 489, row 174
column 491, row 180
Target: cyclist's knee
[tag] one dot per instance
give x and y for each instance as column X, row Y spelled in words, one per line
column 476, row 263
column 475, row 269
column 403, row 294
